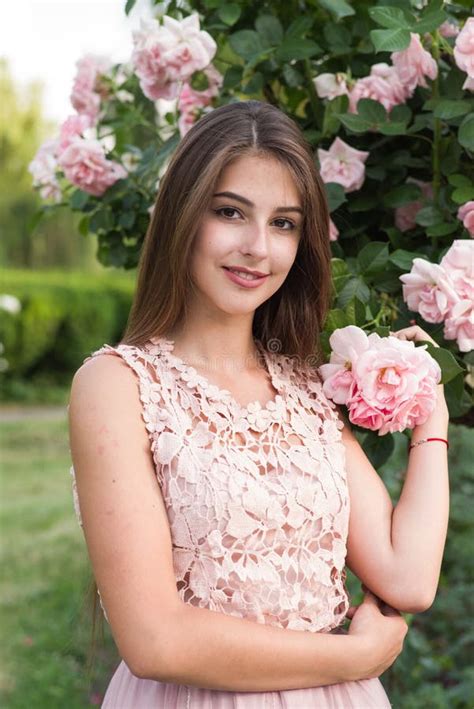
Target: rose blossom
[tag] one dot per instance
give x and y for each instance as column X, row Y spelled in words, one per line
column 85, row 165
column 458, row 263
column 428, row 290
column 387, row 384
column 414, row 64
column 448, row 29
column 464, row 48
column 405, row 215
column 343, row 164
column 468, row 84
column 43, row 169
column 85, row 96
column 168, row 53
column 73, row 127
column 333, row 231
column 190, row 100
column 330, row 85
column 460, row 325
column 382, row 85
column 466, row 215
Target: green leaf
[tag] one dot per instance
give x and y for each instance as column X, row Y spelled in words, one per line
column 354, row 288
column 338, row 267
column 371, row 111
column 449, row 367
column 246, row 43
column 377, row 448
column 233, row 77
column 129, row 5
column 338, row 8
column 403, row 194
column 294, row 48
column 391, row 18
column 83, row 226
column 373, row 257
column 404, row 259
column 390, row 40
column 460, row 181
column 429, row 216
column 199, row 81
column 353, row 122
column 331, row 122
column 336, row 318
column 382, row 331
column 466, row 132
column 335, row 194
column 463, row 194
column 269, row 29
column 430, row 21
column 443, row 229
column 79, row 199
column 355, row 311
column 229, row 14
column 447, row 109
column 299, row 26
column 458, row 400
column 393, row 128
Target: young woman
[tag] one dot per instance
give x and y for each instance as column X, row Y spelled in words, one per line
column 220, row 493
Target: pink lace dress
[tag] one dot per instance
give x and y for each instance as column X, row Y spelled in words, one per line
column 258, row 508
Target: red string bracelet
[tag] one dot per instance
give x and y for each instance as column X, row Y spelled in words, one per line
column 426, row 440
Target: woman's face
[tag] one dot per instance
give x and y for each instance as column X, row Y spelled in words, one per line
column 261, row 234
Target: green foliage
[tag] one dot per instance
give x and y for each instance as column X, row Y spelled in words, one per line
column 63, row 317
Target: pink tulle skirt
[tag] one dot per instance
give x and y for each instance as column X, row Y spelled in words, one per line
column 125, row 691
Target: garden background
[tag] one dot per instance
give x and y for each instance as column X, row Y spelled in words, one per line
column 383, row 93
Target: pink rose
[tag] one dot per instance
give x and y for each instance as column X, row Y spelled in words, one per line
column 330, row 85
column 387, row 384
column 460, row 325
column 85, row 165
column 468, row 84
column 343, row 164
column 464, row 48
column 86, row 90
column 333, row 231
column 43, row 168
column 383, row 85
column 414, row 64
column 191, row 101
column 428, row 290
column 458, row 263
column 448, row 29
column 73, row 127
column 347, row 344
column 405, row 215
column 466, row 215
column 165, row 54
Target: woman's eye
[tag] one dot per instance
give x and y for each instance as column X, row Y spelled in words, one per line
column 292, row 226
column 231, row 209
column 225, row 209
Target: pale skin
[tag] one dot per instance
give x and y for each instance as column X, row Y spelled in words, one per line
column 124, row 517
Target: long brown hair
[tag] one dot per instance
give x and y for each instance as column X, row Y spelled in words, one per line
column 293, row 317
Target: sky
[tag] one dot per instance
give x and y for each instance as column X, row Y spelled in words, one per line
column 43, row 39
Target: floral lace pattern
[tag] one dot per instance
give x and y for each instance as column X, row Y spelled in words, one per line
column 256, row 496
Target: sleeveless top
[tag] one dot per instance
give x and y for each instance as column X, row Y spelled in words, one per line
column 256, row 496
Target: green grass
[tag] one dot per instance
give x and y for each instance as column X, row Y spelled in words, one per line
column 44, row 621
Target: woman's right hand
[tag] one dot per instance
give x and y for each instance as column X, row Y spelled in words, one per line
column 381, row 630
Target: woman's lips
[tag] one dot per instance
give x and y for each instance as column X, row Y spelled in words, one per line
column 245, row 282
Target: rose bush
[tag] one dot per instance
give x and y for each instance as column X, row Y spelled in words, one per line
column 383, row 93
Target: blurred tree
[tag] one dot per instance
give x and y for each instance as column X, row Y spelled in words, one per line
column 22, row 129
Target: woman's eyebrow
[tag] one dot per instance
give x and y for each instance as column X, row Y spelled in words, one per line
column 246, row 201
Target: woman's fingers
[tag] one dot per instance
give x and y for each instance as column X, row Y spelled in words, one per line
column 414, row 332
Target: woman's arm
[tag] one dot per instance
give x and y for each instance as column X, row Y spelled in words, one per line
column 397, row 551
column 219, row 651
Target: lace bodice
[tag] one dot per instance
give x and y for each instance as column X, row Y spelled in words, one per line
column 256, row 496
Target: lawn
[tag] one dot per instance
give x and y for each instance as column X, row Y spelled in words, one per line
column 45, row 626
